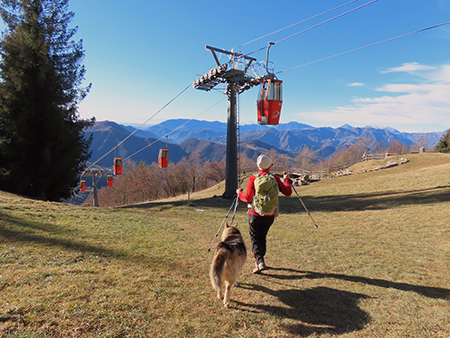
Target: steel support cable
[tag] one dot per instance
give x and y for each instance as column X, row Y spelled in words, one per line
column 315, row 26
column 295, row 24
column 326, row 21
column 90, row 166
column 367, row 46
column 215, row 104
column 131, row 134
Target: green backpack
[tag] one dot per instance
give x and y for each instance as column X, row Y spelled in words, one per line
column 265, row 201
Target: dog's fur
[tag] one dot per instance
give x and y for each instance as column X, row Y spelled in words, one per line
column 229, row 258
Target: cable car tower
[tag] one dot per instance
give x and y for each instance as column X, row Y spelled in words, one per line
column 239, row 74
column 94, row 171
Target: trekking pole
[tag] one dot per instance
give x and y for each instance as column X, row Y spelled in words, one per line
column 304, row 206
column 236, row 200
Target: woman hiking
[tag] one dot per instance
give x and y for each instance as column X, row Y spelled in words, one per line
column 262, row 198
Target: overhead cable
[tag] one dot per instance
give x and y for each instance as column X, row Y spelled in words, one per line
column 151, row 117
column 315, row 16
column 295, row 24
column 326, row 21
column 367, row 46
column 131, row 134
column 315, row 26
column 173, row 130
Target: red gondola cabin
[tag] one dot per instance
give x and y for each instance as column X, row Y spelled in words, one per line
column 83, row 185
column 270, row 99
column 163, row 158
column 110, row 180
column 117, row 168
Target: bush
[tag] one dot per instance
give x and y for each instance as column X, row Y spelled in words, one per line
column 443, row 146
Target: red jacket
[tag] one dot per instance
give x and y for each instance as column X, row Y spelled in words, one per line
column 285, row 188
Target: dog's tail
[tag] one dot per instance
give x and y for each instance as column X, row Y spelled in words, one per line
column 215, row 274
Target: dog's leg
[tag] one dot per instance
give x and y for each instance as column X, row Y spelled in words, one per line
column 220, row 295
column 226, row 298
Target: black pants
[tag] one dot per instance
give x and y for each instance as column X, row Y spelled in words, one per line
column 258, row 228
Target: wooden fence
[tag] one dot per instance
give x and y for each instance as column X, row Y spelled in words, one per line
column 324, row 171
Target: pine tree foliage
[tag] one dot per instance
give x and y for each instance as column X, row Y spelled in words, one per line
column 42, row 148
column 444, row 143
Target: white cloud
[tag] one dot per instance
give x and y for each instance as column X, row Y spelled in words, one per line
column 405, row 88
column 408, row 67
column 442, row 75
column 422, row 104
column 355, row 84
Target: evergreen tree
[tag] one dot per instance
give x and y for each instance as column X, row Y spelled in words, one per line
column 42, row 148
column 444, row 143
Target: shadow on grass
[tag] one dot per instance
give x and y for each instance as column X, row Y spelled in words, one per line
column 211, row 202
column 374, row 201
column 427, row 291
column 316, row 310
column 28, row 235
column 52, row 235
column 325, row 310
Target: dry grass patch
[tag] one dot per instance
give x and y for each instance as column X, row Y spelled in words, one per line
column 377, row 266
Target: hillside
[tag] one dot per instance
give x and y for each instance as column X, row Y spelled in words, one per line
column 209, row 138
column 377, row 265
column 107, row 135
column 291, row 136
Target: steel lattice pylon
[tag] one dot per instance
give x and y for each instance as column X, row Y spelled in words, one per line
column 240, row 73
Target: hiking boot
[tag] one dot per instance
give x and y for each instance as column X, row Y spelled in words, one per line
column 257, row 270
column 259, row 267
column 262, row 266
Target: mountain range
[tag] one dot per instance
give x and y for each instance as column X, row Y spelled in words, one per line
column 208, row 139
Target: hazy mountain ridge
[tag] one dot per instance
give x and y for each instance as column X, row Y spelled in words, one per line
column 107, row 135
column 209, row 139
column 290, row 136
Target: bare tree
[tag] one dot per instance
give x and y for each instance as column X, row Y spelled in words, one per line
column 397, row 147
column 246, row 164
column 215, row 171
column 380, row 147
column 420, row 142
column 364, row 142
column 348, row 156
column 305, row 159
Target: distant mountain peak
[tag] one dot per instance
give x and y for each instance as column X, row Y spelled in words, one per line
column 209, row 139
column 378, row 126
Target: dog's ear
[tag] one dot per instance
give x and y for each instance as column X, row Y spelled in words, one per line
column 226, row 225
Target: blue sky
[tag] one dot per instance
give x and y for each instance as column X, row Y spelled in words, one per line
column 141, row 53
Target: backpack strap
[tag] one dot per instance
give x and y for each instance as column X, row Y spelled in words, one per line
column 251, row 205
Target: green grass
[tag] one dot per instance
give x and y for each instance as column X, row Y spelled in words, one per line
column 377, row 266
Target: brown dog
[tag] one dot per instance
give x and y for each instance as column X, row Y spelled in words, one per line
column 229, row 258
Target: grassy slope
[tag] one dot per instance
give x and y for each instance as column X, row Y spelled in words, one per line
column 377, row 266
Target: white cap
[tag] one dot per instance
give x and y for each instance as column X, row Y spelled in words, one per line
column 263, row 162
